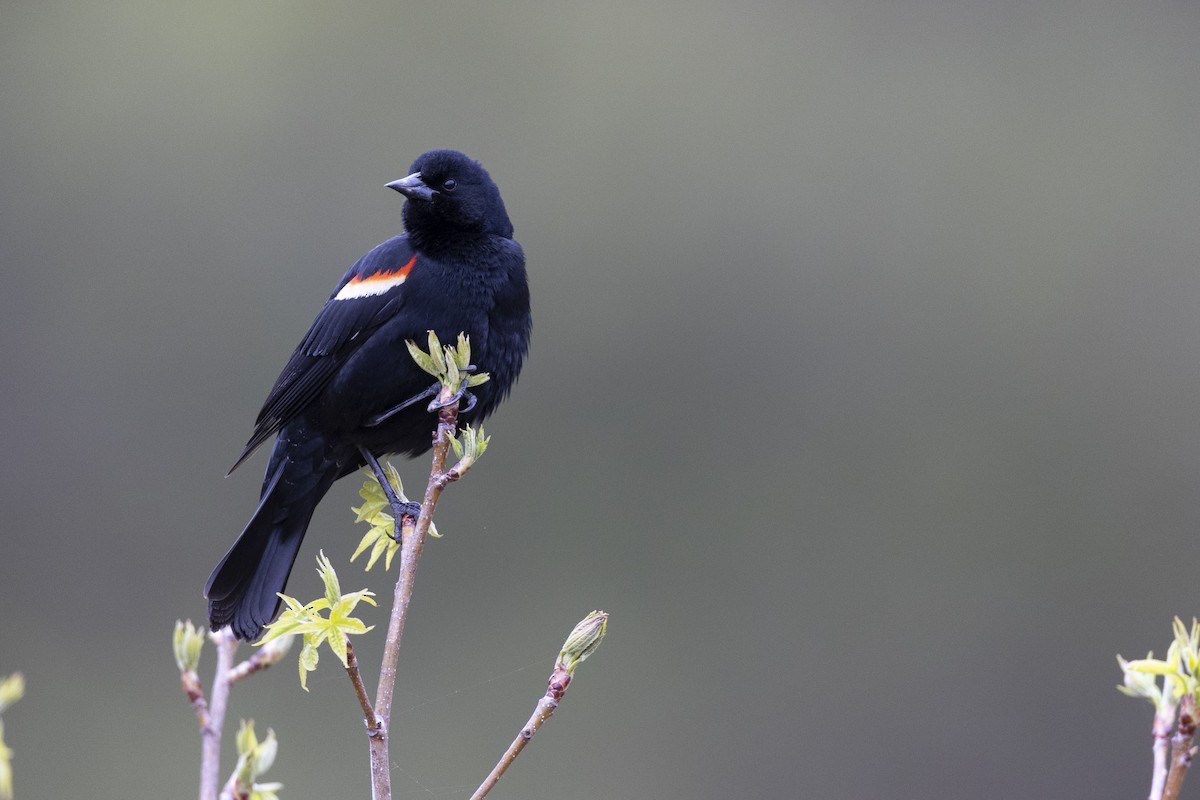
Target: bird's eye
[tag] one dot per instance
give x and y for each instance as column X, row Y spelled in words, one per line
column 449, row 184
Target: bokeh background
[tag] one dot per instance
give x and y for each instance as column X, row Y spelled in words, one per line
column 863, row 392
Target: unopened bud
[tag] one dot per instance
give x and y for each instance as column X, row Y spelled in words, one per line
column 187, row 642
column 12, row 689
column 584, row 640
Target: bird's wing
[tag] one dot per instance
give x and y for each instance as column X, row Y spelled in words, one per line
column 370, row 293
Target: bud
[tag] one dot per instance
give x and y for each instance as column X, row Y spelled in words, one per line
column 188, row 642
column 583, row 641
column 254, row 757
column 468, row 446
column 12, row 689
column 264, row 753
column 245, row 741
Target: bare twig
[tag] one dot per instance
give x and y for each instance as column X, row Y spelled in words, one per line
column 413, row 535
column 190, row 682
column 1182, row 750
column 1158, row 781
column 210, row 731
column 545, row 707
column 582, row 642
column 255, row 663
column 360, row 691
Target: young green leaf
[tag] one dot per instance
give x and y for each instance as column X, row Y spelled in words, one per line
column 306, row 620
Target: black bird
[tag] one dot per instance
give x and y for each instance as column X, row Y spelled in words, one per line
column 456, row 268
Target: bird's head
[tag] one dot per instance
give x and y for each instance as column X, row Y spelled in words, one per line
column 450, row 193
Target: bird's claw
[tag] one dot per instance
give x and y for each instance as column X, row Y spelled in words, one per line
column 463, row 393
column 400, row 508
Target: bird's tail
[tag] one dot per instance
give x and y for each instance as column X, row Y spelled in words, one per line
column 242, row 590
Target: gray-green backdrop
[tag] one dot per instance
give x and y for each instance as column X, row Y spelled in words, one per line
column 863, row 392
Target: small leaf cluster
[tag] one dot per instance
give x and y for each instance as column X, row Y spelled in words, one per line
column 450, row 364
column 307, row 622
column 468, row 446
column 1179, row 670
column 12, row 689
column 254, row 758
column 187, row 644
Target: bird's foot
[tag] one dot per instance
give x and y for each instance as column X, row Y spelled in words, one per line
column 400, row 508
column 462, row 394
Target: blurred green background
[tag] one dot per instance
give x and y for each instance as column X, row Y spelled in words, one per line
column 862, row 393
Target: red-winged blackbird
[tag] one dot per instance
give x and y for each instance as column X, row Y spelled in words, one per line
column 456, row 268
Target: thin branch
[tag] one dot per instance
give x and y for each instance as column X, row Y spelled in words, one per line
column 255, row 663
column 210, row 733
column 560, row 679
column 413, row 537
column 1164, row 724
column 1182, row 750
column 190, row 682
column 583, row 641
column 1161, row 759
column 373, row 726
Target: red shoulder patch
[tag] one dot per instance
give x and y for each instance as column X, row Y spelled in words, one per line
column 376, row 284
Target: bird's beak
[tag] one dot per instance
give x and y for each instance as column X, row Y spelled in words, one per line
column 413, row 188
